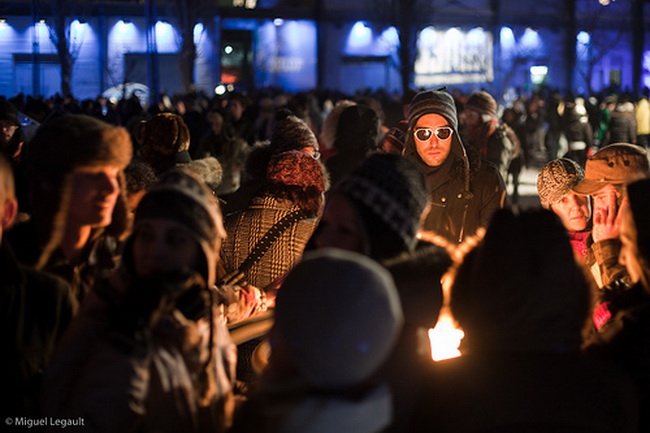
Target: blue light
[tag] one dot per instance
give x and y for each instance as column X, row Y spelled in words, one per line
column 78, row 29
column 530, row 39
column 278, row 22
column 390, row 37
column 507, row 37
column 198, row 31
column 583, row 38
column 476, row 36
column 360, row 35
column 166, row 41
column 428, row 37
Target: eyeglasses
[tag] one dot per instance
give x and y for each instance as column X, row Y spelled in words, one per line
column 441, row 133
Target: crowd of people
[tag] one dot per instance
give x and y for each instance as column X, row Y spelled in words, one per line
column 132, row 241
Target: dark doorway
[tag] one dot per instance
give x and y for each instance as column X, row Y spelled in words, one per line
column 237, row 58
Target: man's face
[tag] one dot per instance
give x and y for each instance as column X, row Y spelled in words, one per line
column 7, row 130
column 606, row 199
column 433, row 150
column 94, row 193
column 161, row 245
column 573, row 210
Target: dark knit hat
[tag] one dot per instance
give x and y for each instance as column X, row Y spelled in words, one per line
column 357, row 130
column 8, row 112
column 339, row 314
column 483, row 103
column 433, row 101
column 297, row 168
column 164, row 141
column 617, row 164
column 183, row 197
column 556, row 179
column 393, row 192
column 292, row 133
column 638, row 194
column 396, row 135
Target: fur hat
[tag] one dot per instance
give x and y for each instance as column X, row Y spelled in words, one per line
column 209, row 169
column 483, row 103
column 292, row 133
column 183, row 197
column 390, row 191
column 617, row 163
column 297, row 168
column 59, row 146
column 339, row 314
column 556, row 179
column 164, row 141
column 638, row 194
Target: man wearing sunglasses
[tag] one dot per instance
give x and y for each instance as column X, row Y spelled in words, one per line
column 463, row 193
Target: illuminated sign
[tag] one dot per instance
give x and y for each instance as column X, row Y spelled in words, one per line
column 453, row 57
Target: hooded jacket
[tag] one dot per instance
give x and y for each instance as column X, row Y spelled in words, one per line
column 463, row 191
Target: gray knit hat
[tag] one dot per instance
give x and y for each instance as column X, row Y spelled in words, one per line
column 339, row 314
column 483, row 103
column 433, row 101
column 556, row 179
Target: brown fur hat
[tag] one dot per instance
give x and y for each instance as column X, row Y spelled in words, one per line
column 58, row 148
column 164, row 141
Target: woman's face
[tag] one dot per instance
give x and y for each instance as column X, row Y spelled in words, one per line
column 340, row 226
column 574, row 211
column 161, row 246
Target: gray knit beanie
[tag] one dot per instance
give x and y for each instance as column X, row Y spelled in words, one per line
column 433, row 101
column 483, row 103
column 556, row 179
column 340, row 314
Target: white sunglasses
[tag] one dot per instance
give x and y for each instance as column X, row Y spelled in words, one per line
column 425, row 134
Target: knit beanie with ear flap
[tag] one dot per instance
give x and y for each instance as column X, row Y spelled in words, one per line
column 441, row 103
column 58, row 148
column 183, row 197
